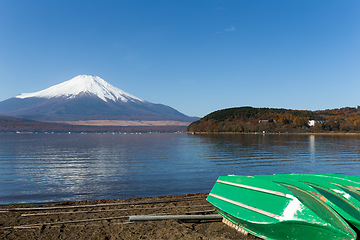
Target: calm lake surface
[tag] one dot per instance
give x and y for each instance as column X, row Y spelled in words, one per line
column 38, row 168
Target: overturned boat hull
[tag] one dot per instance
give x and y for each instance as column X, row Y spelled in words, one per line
column 333, row 195
column 273, row 210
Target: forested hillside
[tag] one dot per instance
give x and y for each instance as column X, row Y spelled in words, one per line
column 249, row 119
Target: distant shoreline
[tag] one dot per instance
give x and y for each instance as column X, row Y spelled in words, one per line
column 125, row 123
column 259, row 133
column 14, row 124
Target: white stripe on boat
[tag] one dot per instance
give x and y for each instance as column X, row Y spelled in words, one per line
column 245, row 206
column 255, row 188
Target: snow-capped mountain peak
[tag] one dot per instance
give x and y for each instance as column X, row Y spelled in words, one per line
column 84, row 84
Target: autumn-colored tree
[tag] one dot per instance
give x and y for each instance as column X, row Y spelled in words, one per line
column 300, row 122
column 345, row 127
column 283, row 120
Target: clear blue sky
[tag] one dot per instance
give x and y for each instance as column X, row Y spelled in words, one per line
column 195, row 56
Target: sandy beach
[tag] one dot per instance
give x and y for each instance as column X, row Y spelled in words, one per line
column 109, row 219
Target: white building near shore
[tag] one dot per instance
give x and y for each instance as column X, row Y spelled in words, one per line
column 312, row 123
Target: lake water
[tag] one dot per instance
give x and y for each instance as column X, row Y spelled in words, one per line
column 38, row 168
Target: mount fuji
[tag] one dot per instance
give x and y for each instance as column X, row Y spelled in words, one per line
column 87, row 97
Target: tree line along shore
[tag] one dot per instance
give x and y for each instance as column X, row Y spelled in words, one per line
column 231, row 120
column 274, row 120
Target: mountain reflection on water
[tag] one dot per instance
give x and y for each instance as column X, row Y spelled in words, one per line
column 62, row 167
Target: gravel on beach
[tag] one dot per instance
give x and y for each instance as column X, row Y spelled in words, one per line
column 109, row 219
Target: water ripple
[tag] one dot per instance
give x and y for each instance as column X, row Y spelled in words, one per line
column 48, row 168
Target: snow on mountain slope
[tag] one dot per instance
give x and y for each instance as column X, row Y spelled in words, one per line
column 84, row 84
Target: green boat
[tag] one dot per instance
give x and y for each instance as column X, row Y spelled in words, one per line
column 338, row 186
column 342, row 176
column 333, row 195
column 347, row 181
column 273, row 210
